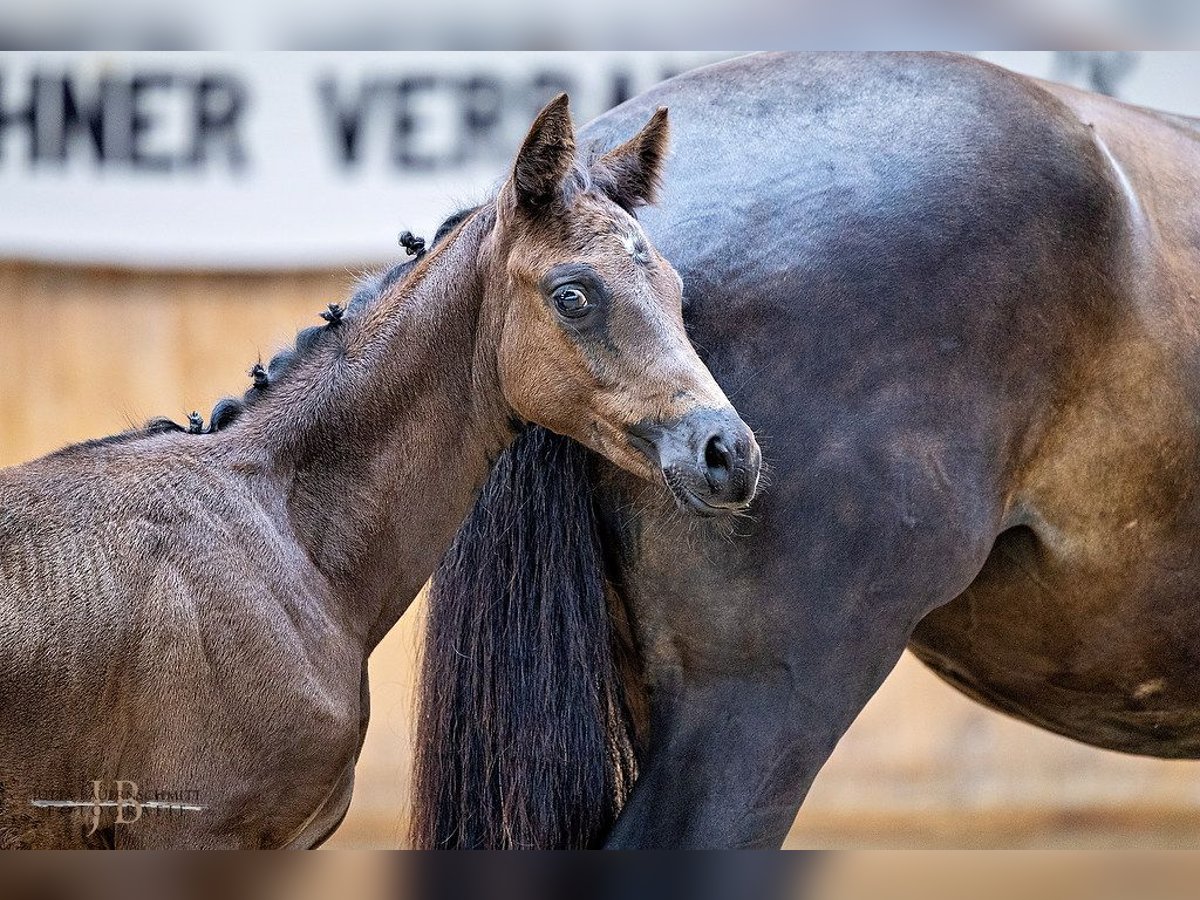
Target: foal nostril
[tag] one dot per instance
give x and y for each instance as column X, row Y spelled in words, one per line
column 718, row 461
column 707, row 457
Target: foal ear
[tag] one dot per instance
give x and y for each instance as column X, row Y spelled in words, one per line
column 545, row 157
column 631, row 173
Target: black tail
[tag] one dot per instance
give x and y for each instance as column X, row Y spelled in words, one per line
column 524, row 733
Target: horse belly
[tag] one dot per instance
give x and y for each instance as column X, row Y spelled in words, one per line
column 1084, row 619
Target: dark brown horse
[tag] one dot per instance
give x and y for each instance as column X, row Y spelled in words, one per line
column 188, row 616
column 961, row 308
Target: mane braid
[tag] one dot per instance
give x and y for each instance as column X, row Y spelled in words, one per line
column 229, row 409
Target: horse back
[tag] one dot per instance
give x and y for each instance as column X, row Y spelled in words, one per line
column 920, row 251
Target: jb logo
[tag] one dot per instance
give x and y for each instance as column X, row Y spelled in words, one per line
column 123, row 799
column 129, row 810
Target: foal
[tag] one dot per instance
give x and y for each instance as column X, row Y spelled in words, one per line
column 189, row 616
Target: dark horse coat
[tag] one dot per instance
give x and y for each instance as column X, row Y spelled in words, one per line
column 960, row 308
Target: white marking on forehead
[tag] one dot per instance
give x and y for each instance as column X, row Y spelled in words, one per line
column 634, row 241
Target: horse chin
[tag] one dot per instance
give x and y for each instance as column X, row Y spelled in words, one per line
column 692, row 503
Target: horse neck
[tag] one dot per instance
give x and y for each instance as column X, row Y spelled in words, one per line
column 382, row 440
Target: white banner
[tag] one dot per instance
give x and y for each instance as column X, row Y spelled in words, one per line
column 252, row 161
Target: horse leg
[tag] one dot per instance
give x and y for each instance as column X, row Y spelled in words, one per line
column 727, row 768
column 760, row 650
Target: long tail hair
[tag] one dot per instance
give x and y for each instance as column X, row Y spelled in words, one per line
column 525, row 733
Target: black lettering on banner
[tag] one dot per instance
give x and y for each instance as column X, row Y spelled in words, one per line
column 420, row 122
column 479, row 116
column 114, row 119
column 82, row 118
column 14, row 116
column 405, row 125
column 482, row 110
column 346, row 118
column 141, row 121
column 219, row 101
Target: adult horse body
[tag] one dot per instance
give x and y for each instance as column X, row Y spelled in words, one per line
column 188, row 616
column 959, row 308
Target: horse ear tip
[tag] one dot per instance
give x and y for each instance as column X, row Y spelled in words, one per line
column 660, row 122
column 558, row 110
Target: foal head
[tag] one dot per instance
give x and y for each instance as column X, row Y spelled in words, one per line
column 591, row 340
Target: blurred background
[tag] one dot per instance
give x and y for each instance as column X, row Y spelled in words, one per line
column 167, row 219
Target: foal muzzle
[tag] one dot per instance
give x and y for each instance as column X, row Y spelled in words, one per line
column 708, row 458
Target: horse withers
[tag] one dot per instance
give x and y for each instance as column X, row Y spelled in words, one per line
column 186, row 613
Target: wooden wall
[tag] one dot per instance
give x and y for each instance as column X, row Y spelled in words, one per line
column 85, row 353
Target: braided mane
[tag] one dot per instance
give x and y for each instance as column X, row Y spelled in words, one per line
column 229, row 409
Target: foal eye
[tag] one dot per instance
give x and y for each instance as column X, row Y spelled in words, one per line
column 571, row 301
